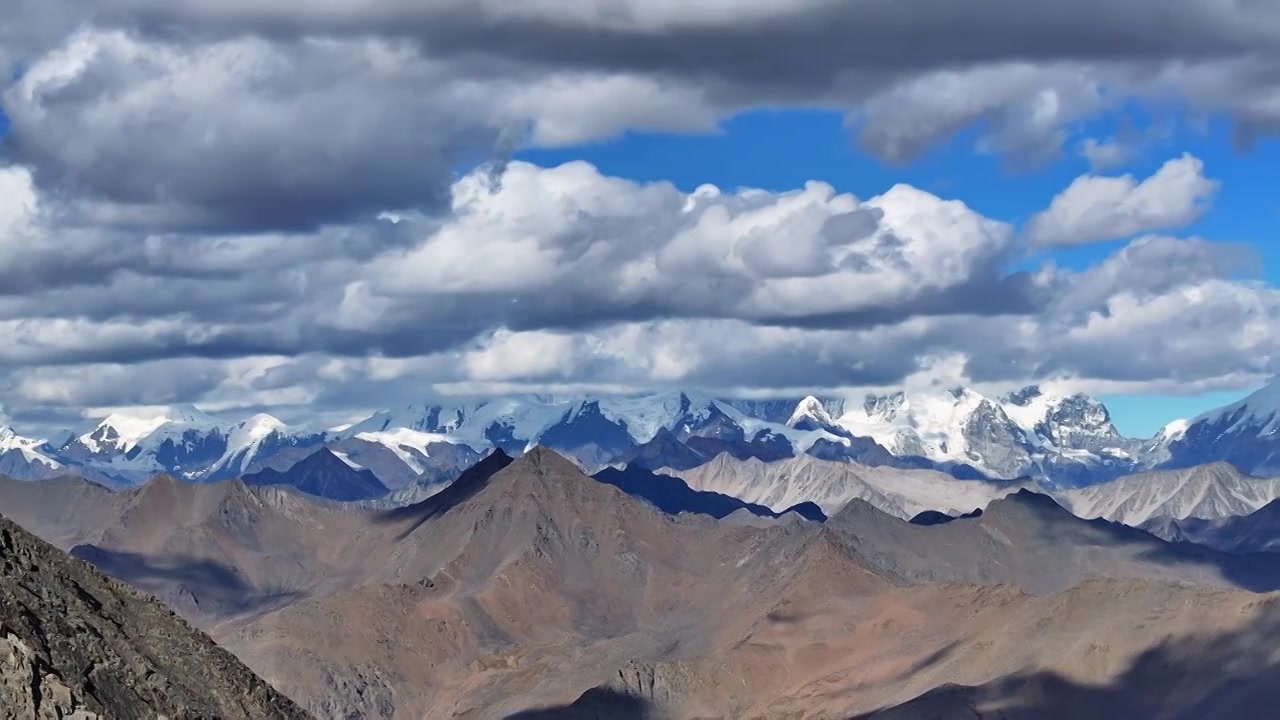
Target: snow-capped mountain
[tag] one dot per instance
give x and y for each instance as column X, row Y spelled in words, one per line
column 131, row 436
column 252, row 441
column 1245, row 434
column 1067, row 438
column 182, row 441
column 1063, row 440
column 960, row 431
column 21, row 457
column 594, row 430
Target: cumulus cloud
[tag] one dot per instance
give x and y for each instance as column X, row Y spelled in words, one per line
column 1105, row 154
column 569, row 247
column 566, row 277
column 314, row 207
column 242, row 133
column 1097, row 208
column 1026, row 69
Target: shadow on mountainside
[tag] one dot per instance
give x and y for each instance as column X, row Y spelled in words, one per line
column 1059, row 528
column 1232, row 676
column 673, row 496
column 1257, row 572
column 206, row 586
column 464, row 488
column 595, row 704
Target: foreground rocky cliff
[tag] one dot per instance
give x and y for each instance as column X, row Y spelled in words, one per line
column 75, row 644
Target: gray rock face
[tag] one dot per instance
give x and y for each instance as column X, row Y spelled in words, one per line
column 74, row 644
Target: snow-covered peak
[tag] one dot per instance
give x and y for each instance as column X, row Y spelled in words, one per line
column 1173, row 431
column 1261, row 409
column 123, row 430
column 930, row 423
column 1030, row 406
column 244, row 441
column 528, row 416
column 929, row 411
column 255, row 429
column 812, row 409
column 10, row 441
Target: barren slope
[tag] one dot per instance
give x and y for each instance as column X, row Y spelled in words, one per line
column 76, row 644
column 529, row 587
column 1030, row 541
column 528, row 590
column 832, row 485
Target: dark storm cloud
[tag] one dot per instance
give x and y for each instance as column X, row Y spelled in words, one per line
column 830, row 52
column 244, row 135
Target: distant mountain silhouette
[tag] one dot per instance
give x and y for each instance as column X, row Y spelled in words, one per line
column 325, row 475
column 673, row 495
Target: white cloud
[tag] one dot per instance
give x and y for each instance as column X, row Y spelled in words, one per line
column 567, row 277
column 1096, row 208
column 569, row 245
column 1105, row 154
column 193, row 213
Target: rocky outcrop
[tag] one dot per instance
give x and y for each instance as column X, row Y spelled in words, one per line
column 74, row 644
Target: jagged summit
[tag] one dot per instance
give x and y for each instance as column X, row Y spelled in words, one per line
column 811, row 408
column 1026, row 498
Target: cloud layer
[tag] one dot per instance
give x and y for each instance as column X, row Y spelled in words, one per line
column 258, row 204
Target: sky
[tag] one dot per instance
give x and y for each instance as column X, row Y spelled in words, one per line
column 321, row 209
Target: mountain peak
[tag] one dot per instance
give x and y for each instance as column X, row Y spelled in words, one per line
column 546, row 460
column 1026, row 498
column 810, row 408
column 1261, row 406
column 1023, row 397
column 188, row 414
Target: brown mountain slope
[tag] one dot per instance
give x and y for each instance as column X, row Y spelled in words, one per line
column 529, row 590
column 1110, row 649
column 1217, row 662
column 63, row 511
column 210, row 551
column 76, row 644
column 529, row 586
column 533, row 586
column 1028, row 540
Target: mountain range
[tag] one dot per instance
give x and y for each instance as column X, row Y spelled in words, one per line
column 1062, row 441
column 527, row 589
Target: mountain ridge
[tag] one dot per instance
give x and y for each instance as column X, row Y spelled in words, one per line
column 1067, row 440
column 80, row 645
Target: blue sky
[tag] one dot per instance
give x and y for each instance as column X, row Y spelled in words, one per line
column 782, row 149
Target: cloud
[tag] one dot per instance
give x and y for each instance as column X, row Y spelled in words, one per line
column 566, row 277
column 568, row 247
column 243, row 134
column 1105, row 154
column 314, row 207
column 286, row 115
column 1025, row 70
column 1097, row 208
